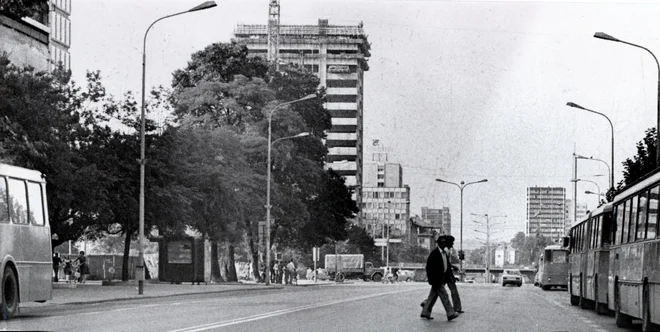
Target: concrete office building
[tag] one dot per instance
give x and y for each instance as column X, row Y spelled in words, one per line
column 386, row 200
column 439, row 217
column 25, row 41
column 546, row 211
column 337, row 54
column 42, row 40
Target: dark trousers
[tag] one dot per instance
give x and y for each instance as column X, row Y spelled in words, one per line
column 57, row 272
column 455, row 298
column 441, row 292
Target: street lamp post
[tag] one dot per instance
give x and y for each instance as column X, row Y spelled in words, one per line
column 461, row 186
column 139, row 269
column 270, row 129
column 602, row 35
column 571, row 104
column 488, row 232
column 592, row 182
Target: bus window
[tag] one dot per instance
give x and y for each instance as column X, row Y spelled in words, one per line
column 599, row 229
column 18, row 201
column 36, row 204
column 653, row 213
column 633, row 220
column 626, row 222
column 4, row 202
column 619, row 224
column 558, row 256
column 641, row 216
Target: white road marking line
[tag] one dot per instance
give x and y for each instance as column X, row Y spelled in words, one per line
column 281, row 312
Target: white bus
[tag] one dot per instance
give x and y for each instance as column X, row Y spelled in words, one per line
column 26, row 264
column 634, row 274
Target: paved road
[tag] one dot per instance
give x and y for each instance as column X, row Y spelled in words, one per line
column 348, row 307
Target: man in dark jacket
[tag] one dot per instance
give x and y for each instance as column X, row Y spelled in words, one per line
column 438, row 272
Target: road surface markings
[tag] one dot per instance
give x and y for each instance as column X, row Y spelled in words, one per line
column 574, row 313
column 282, row 312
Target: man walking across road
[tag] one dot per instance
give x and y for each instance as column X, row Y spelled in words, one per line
column 451, row 282
column 438, row 272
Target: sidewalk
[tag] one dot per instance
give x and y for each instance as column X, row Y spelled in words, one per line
column 94, row 292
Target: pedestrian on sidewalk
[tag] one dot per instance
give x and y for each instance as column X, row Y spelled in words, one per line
column 438, row 271
column 291, row 268
column 83, row 268
column 57, row 261
column 68, row 270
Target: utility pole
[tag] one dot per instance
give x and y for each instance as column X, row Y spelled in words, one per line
column 488, row 232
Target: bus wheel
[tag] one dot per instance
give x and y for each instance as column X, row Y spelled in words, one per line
column 340, row 277
column 621, row 319
column 646, row 309
column 9, row 301
column 545, row 287
column 575, row 300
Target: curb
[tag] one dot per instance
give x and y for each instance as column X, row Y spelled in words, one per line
column 167, row 295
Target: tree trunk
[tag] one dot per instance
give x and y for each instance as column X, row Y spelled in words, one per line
column 215, row 264
column 231, row 265
column 125, row 259
column 253, row 252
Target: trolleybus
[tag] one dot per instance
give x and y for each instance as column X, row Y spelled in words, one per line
column 553, row 267
column 634, row 273
column 26, row 265
column 589, row 260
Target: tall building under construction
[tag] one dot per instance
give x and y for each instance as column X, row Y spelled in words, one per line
column 338, row 55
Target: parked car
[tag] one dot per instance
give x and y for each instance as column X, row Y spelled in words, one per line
column 513, row 277
column 405, row 275
column 470, row 279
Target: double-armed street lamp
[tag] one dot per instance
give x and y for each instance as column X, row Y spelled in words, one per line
column 270, row 144
column 461, row 186
column 611, row 170
column 139, row 269
column 604, row 36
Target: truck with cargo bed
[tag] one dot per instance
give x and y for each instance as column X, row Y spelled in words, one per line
column 351, row 266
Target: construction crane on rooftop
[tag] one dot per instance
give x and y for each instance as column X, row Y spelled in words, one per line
column 274, row 32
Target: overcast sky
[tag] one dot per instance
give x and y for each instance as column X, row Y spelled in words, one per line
column 458, row 90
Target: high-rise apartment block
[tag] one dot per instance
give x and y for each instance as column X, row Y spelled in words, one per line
column 438, row 217
column 546, row 211
column 337, row 54
column 60, row 34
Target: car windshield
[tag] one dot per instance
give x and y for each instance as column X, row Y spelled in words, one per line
column 515, row 272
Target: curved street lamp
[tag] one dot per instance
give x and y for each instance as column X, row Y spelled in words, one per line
column 604, row 36
column 571, row 104
column 461, row 186
column 139, row 269
column 270, row 144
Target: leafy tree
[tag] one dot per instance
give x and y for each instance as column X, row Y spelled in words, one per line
column 22, row 8
column 477, row 256
column 518, row 241
column 45, row 127
column 642, row 164
column 223, row 87
column 219, row 62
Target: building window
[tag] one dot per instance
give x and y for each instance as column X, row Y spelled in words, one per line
column 381, row 185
